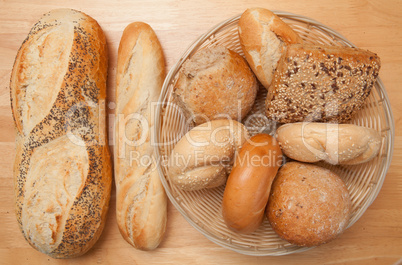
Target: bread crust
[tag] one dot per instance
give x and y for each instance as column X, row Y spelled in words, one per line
column 216, row 83
column 263, row 37
column 333, row 143
column 308, row 205
column 249, row 183
column 204, row 156
column 141, row 201
column 321, row 83
column 63, row 172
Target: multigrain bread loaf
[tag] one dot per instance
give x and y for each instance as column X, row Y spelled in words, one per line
column 333, row 143
column 62, row 169
column 308, row 205
column 263, row 37
column 140, row 197
column 215, row 83
column 321, row 83
column 204, row 155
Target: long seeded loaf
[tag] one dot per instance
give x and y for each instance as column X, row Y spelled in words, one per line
column 62, row 169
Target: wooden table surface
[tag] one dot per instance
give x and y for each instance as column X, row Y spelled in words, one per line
column 376, row 238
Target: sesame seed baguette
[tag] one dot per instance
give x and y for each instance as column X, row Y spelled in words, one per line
column 263, row 37
column 333, row 143
column 62, row 169
column 140, row 197
column 321, row 83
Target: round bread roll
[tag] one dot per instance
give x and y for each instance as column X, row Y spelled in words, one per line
column 308, row 205
column 204, row 156
column 333, row 143
column 249, row 183
column 263, row 37
column 216, row 83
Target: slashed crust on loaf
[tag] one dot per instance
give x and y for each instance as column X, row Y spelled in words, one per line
column 62, row 168
column 321, row 83
column 264, row 37
column 141, row 199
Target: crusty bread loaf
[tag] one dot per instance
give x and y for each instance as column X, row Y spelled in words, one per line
column 263, row 37
column 332, row 143
column 308, row 205
column 321, row 83
column 249, row 183
column 215, row 83
column 140, row 197
column 62, row 169
column 204, row 155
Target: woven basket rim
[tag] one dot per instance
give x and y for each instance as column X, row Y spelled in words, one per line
column 157, row 130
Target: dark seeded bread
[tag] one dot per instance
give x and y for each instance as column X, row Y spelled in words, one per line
column 321, row 83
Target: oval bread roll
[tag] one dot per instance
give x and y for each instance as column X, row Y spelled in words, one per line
column 62, row 169
column 249, row 183
column 263, row 38
column 204, row 156
column 308, row 205
column 333, row 143
column 141, row 201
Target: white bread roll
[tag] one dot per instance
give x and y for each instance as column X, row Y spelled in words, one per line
column 62, row 169
column 263, row 38
column 204, row 155
column 308, row 205
column 215, row 83
column 332, row 143
column 140, row 197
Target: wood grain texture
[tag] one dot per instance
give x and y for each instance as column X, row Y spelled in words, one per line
column 376, row 238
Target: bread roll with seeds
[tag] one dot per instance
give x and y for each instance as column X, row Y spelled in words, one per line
column 333, row 143
column 263, row 37
column 308, row 205
column 62, row 169
column 321, row 83
column 204, row 156
column 141, row 201
column 215, row 83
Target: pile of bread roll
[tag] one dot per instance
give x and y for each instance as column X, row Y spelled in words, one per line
column 313, row 92
column 63, row 168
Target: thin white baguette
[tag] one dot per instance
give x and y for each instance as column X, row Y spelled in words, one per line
column 141, row 199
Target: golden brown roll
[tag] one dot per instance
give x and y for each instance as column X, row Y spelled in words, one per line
column 308, row 205
column 249, row 183
column 215, row 83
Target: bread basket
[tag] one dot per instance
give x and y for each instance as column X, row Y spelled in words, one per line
column 202, row 209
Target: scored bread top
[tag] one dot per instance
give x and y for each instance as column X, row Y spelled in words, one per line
column 321, row 83
column 263, row 37
column 62, row 167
